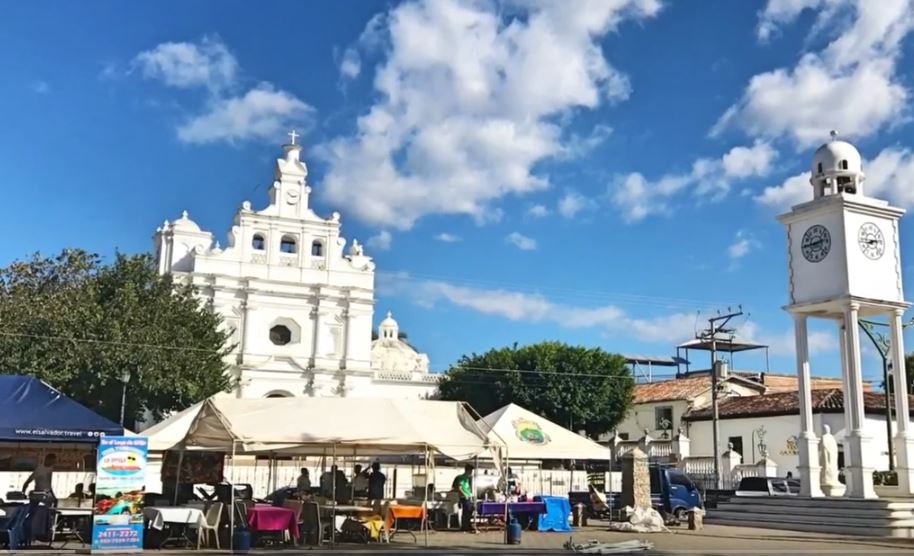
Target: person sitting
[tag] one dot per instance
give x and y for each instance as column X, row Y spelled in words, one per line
column 78, row 492
column 359, row 482
column 510, row 484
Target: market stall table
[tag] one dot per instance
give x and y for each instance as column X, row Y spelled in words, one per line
column 175, row 518
column 497, row 510
column 263, row 518
column 398, row 516
column 71, row 524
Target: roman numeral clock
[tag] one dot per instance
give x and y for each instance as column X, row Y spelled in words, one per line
column 843, row 264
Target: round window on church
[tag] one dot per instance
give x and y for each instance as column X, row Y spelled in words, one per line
column 280, row 335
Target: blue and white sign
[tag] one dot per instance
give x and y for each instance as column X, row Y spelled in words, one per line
column 117, row 523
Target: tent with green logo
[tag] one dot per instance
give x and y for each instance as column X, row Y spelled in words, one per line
column 531, row 437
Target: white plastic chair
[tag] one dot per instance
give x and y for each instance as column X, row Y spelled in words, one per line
column 210, row 524
column 452, row 508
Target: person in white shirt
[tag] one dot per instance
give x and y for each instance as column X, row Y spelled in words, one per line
column 42, row 476
column 359, row 481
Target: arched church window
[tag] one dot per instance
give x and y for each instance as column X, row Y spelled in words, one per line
column 819, row 168
column 844, row 165
column 317, row 249
column 280, row 335
column 258, row 242
column 287, row 244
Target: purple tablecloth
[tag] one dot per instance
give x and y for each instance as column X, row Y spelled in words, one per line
column 272, row 518
column 498, row 508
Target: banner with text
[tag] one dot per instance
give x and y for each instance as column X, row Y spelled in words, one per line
column 117, row 523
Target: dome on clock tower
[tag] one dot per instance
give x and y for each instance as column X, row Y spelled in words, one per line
column 836, row 168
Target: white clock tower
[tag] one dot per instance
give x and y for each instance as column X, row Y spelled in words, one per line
column 844, row 263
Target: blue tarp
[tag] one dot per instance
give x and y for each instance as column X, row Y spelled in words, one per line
column 556, row 517
column 31, row 410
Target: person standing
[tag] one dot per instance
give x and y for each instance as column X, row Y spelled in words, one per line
column 303, row 484
column 376, row 482
column 463, row 485
column 359, row 482
column 42, row 476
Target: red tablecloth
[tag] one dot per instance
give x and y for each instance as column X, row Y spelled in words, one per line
column 271, row 518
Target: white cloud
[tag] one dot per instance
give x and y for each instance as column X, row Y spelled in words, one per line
column 521, row 241
column 784, row 343
column 536, row 308
column 637, row 197
column 573, row 202
column 888, row 176
column 465, row 109
column 794, row 190
column 351, row 64
column 382, row 241
column 448, row 238
column 850, row 85
column 41, row 87
column 578, row 146
column 207, row 63
column 262, row 113
column 538, row 211
column 742, row 245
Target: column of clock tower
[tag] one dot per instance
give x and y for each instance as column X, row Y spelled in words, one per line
column 844, row 263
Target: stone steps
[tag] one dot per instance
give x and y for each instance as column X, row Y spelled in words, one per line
column 880, row 517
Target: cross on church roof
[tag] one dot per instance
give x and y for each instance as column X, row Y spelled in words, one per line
column 293, row 135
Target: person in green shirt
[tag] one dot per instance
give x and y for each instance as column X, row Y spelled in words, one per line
column 463, row 485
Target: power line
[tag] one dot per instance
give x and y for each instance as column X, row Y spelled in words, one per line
column 545, row 372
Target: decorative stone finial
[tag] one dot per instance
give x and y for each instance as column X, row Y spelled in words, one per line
column 184, row 214
column 834, row 135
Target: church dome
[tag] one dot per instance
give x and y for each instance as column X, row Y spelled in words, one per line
column 389, row 329
column 185, row 224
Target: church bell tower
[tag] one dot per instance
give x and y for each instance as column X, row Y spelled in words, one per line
column 844, row 263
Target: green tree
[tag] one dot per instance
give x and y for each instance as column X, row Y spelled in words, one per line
column 80, row 325
column 576, row 387
column 909, row 371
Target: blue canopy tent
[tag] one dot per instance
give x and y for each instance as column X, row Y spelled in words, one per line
column 30, row 410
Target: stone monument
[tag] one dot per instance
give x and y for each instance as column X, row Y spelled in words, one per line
column 636, row 480
column 828, row 457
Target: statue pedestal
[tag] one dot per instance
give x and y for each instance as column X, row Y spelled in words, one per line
column 834, row 490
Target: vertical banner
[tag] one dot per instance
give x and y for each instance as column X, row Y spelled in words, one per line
column 117, row 523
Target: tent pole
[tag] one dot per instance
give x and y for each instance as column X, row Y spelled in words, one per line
column 178, row 475
column 333, row 492
column 232, row 502
column 504, row 472
column 425, row 506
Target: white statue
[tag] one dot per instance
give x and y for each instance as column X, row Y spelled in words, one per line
column 828, row 459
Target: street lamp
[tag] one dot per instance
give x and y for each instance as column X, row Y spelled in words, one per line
column 883, row 347
column 125, row 379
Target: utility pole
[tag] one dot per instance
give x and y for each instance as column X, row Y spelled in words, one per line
column 882, row 345
column 717, row 325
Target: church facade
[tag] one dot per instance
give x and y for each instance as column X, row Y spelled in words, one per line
column 298, row 302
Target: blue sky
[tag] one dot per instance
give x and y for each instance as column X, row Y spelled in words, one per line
column 603, row 174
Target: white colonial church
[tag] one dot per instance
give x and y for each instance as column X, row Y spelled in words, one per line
column 299, row 302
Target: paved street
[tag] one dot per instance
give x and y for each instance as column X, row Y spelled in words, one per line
column 712, row 540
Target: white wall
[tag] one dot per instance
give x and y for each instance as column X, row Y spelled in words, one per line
column 779, row 429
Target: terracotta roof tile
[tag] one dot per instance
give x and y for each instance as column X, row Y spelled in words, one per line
column 787, row 403
column 675, row 389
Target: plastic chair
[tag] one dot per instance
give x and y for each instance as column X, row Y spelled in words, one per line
column 296, row 507
column 311, row 523
column 210, row 525
column 15, row 530
column 452, row 508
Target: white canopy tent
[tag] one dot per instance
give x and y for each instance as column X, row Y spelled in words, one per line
column 529, row 436
column 295, row 426
column 170, row 433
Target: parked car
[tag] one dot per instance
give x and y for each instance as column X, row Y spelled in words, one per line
column 768, row 486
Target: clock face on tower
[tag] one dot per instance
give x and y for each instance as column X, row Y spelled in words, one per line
column 816, row 243
column 871, row 241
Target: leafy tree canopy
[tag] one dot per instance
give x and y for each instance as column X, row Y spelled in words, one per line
column 576, row 387
column 80, row 325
